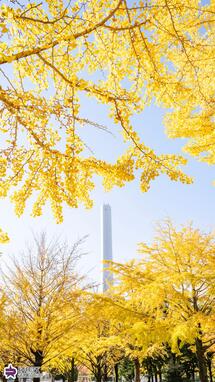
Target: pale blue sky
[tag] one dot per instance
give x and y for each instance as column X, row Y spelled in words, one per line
column 134, row 214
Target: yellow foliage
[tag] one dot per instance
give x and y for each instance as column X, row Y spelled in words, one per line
column 124, row 55
column 168, row 295
column 43, row 304
column 3, row 237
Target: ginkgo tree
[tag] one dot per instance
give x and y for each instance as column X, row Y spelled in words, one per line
column 122, row 54
column 171, row 292
column 43, row 305
column 135, row 328
column 93, row 347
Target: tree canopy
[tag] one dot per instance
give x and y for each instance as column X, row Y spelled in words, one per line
column 125, row 55
column 42, row 304
column 170, row 295
column 157, row 318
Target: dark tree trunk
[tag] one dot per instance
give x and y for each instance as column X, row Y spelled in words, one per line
column 73, row 370
column 105, row 377
column 98, row 376
column 202, row 362
column 38, row 361
column 193, row 376
column 137, row 370
column 209, row 363
column 38, row 358
column 97, row 369
column 116, row 371
column 160, row 375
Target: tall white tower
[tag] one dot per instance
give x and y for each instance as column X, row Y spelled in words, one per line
column 107, row 277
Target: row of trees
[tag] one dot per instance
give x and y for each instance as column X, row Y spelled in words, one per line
column 158, row 319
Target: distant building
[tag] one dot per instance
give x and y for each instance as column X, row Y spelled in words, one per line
column 107, row 277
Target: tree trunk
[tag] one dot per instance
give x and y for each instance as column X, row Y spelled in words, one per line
column 116, row 371
column 38, row 358
column 210, row 370
column 98, row 376
column 73, row 370
column 38, row 361
column 202, row 363
column 105, row 377
column 193, row 376
column 137, row 370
